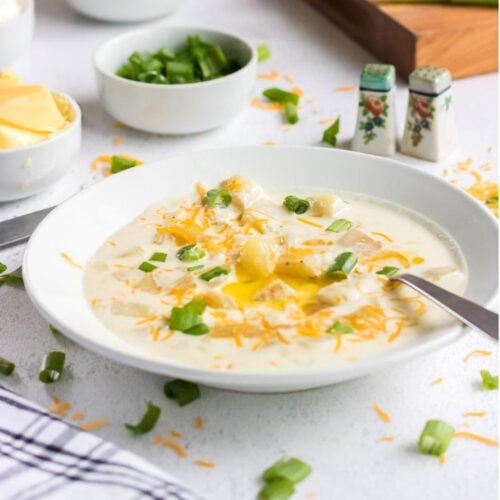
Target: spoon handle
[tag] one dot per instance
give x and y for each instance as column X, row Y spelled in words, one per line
column 468, row 312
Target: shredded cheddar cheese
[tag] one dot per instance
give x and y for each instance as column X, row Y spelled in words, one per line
column 205, row 463
column 475, row 414
column 475, row 353
column 384, row 416
column 476, row 437
column 437, row 381
column 199, row 423
column 70, row 261
column 96, row 424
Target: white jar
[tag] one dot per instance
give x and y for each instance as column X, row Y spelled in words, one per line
column 430, row 129
column 376, row 123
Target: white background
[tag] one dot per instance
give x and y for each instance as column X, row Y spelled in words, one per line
column 334, row 429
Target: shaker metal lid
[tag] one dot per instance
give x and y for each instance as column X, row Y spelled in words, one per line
column 430, row 80
column 378, row 77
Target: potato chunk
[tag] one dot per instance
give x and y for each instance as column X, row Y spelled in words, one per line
column 132, row 309
column 276, row 290
column 359, row 242
column 244, row 192
column 325, row 205
column 298, row 265
column 339, row 293
column 218, row 300
column 258, row 255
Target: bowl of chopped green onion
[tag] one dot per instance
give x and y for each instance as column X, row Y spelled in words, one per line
column 175, row 80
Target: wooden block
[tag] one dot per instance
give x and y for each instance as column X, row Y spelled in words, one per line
column 463, row 39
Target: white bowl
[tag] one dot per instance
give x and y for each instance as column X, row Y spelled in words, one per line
column 16, row 34
column 82, row 224
column 31, row 169
column 173, row 109
column 124, row 11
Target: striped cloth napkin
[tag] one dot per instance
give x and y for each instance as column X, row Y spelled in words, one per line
column 41, row 456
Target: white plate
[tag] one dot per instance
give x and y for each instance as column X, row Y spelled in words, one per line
column 83, row 223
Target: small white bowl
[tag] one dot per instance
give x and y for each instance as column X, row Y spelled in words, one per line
column 173, row 109
column 28, row 170
column 124, row 11
column 16, row 33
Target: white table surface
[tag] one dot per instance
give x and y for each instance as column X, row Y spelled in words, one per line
column 334, row 429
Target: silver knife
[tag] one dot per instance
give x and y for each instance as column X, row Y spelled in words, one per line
column 20, row 228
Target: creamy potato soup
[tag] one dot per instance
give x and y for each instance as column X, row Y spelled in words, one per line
column 232, row 277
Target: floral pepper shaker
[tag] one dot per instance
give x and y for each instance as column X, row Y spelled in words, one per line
column 376, row 124
column 430, row 131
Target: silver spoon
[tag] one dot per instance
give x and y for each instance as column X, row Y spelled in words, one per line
column 467, row 312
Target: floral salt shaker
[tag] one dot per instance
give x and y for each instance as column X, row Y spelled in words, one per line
column 376, row 124
column 430, row 131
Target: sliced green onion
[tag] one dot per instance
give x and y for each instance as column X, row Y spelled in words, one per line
column 147, row 422
column 278, row 95
column 291, row 115
column 278, row 489
column 330, row 134
column 339, row 226
column 343, row 265
column 54, row 330
column 195, row 268
column 339, row 327
column 492, row 201
column 293, row 469
column 297, row 205
column 200, row 329
column 6, row 367
column 436, row 437
column 196, row 305
column 147, row 267
column 3, row 267
column 213, row 273
column 15, row 278
column 183, row 319
column 182, row 391
column 489, row 381
column 263, row 52
column 388, row 271
column 188, row 319
column 158, row 257
column 217, row 198
column 190, row 253
column 52, row 367
column 118, row 164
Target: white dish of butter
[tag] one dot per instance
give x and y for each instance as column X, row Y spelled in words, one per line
column 230, row 283
column 40, row 135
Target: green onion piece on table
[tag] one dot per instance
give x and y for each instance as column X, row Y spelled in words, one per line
column 6, row 367
column 278, row 489
column 339, row 226
column 195, row 268
column 296, row 205
column 436, row 437
column 3, row 267
column 293, row 469
column 190, row 253
column 388, row 271
column 213, row 273
column 54, row 330
column 291, row 115
column 339, row 327
column 489, row 381
column 147, row 422
column 118, row 164
column 52, row 367
column 279, row 95
column 263, row 52
column 182, row 391
column 330, row 134
column 343, row 265
column 147, row 267
column 158, row 257
column 217, row 198
column 15, row 278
